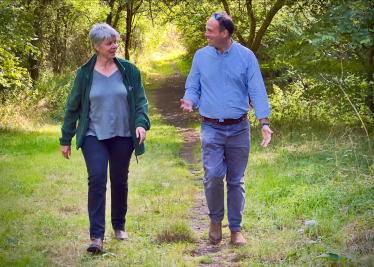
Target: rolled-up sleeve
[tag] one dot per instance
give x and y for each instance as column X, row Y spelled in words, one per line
column 257, row 90
column 193, row 86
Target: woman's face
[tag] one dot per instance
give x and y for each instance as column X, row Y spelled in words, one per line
column 107, row 48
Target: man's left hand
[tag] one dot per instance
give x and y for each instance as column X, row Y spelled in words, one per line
column 141, row 133
column 266, row 135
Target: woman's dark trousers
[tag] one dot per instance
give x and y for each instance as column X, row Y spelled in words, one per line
column 117, row 151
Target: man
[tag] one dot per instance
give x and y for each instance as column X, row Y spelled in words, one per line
column 223, row 76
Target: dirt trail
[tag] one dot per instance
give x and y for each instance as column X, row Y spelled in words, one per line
column 167, row 101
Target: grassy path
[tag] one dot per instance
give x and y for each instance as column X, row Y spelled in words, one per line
column 166, row 101
column 304, row 198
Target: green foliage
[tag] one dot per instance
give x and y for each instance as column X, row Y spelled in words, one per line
column 38, row 104
column 52, row 92
column 62, row 27
column 153, row 42
column 303, row 42
column 292, row 108
column 333, row 40
column 184, row 64
column 13, row 77
column 15, row 46
column 351, row 25
column 190, row 19
column 333, row 257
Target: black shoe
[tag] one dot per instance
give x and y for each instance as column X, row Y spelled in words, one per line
column 96, row 246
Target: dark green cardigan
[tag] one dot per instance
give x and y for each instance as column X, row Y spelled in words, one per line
column 78, row 104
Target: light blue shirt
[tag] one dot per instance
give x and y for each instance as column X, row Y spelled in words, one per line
column 219, row 84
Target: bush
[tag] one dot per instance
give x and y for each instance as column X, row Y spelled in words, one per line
column 27, row 106
column 52, row 93
column 294, row 110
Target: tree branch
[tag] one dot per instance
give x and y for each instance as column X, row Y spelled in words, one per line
column 269, row 17
column 110, row 15
column 252, row 32
column 227, row 9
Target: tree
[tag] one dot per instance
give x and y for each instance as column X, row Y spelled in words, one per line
column 131, row 12
column 337, row 38
column 15, row 44
column 245, row 13
column 132, row 9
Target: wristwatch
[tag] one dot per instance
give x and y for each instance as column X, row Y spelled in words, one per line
column 265, row 123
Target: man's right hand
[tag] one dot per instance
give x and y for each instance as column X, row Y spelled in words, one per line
column 66, row 151
column 187, row 105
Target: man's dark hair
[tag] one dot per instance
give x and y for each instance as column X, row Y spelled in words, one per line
column 225, row 22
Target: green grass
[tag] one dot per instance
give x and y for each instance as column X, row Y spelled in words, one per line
column 44, row 197
column 203, row 259
column 160, row 70
column 309, row 178
column 183, row 64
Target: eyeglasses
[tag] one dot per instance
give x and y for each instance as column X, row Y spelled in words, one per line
column 220, row 19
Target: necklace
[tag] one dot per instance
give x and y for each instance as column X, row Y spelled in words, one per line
column 103, row 69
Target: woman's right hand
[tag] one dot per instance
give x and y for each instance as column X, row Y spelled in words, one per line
column 66, row 151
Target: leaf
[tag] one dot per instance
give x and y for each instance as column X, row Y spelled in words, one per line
column 329, row 256
column 333, row 257
column 365, row 41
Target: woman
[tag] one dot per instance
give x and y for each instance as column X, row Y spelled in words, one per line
column 109, row 101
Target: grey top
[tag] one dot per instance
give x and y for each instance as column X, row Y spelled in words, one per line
column 109, row 110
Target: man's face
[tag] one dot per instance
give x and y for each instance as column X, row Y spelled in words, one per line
column 215, row 38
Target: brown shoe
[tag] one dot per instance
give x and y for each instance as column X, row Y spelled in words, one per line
column 237, row 239
column 96, row 246
column 215, row 232
column 120, row 234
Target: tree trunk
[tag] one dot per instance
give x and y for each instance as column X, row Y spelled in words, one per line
column 55, row 44
column 131, row 12
column 110, row 15
column 369, row 100
column 150, row 12
column 33, row 62
column 117, row 17
column 269, row 17
column 227, row 9
column 254, row 39
column 252, row 32
column 128, row 29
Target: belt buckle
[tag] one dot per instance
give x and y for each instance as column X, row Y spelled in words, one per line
column 221, row 120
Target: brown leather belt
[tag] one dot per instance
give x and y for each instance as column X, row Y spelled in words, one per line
column 225, row 121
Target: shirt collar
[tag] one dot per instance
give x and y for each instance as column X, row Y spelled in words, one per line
column 228, row 51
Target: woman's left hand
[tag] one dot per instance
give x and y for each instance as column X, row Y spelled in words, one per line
column 141, row 133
